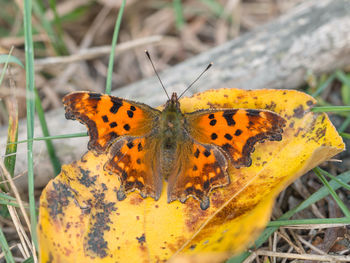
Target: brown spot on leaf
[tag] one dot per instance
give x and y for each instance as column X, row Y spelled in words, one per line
column 299, row 112
column 141, row 239
column 136, row 200
column 309, row 103
column 95, row 241
column 86, row 179
column 58, row 198
column 271, row 106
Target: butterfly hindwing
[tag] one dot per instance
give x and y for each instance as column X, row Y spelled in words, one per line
column 136, row 167
column 108, row 117
column 199, row 169
column 236, row 131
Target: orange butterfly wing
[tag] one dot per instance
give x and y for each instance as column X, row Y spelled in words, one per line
column 236, row 131
column 108, row 117
column 126, row 126
column 137, row 166
column 200, row 168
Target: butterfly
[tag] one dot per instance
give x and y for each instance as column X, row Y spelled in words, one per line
column 191, row 151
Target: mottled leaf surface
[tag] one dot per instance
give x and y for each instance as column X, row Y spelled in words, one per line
column 81, row 219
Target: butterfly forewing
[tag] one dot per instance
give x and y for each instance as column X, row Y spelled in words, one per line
column 109, row 117
column 235, row 130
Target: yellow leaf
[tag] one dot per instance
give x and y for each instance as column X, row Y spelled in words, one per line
column 81, row 219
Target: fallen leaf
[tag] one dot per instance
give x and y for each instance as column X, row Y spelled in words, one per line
column 81, row 219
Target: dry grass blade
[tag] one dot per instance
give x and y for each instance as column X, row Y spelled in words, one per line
column 15, row 191
column 315, row 226
column 2, row 254
column 323, row 258
column 308, row 244
column 96, row 52
column 85, row 43
column 25, row 241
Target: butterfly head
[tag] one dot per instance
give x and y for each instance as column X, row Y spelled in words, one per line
column 173, row 104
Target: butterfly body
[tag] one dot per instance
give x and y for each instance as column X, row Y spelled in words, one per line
column 191, row 151
column 171, row 127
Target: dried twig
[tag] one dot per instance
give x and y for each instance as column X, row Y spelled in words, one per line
column 326, row 258
column 95, row 52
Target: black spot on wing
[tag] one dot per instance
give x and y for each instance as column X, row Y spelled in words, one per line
column 113, row 124
column 130, row 145
column 228, row 136
column 238, row 132
column 130, row 113
column 117, row 103
column 251, row 112
column 124, row 175
column 212, row 122
column 196, row 153
column 126, row 127
column 206, row 153
column 113, row 135
column 95, row 96
column 105, row 118
column 228, row 115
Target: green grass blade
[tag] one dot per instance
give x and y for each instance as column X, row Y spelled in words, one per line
column 5, row 248
column 331, row 108
column 340, row 203
column 315, row 197
column 50, row 148
column 7, row 197
column 12, row 136
column 324, row 85
column 313, row 221
column 58, row 24
column 345, row 124
column 29, row 260
column 56, row 137
column 30, row 101
column 114, row 43
column 214, row 6
column 345, row 135
column 346, row 186
column 9, row 59
column 8, row 200
column 179, row 18
column 5, row 202
column 345, row 89
column 57, row 42
column 343, row 77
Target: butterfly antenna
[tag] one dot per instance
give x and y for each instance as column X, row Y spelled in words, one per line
column 149, row 57
column 208, row 67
